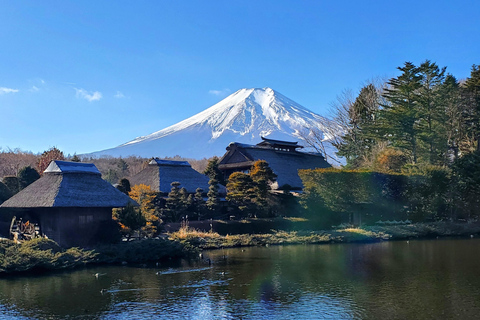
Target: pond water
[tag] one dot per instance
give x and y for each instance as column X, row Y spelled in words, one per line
column 437, row 279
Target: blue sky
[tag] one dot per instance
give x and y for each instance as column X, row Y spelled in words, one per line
column 89, row 75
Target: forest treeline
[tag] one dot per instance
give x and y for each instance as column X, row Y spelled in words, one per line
column 424, row 116
column 111, row 168
column 411, row 146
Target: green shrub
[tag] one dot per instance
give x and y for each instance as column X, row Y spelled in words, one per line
column 26, row 176
column 12, row 183
column 5, row 193
column 40, row 254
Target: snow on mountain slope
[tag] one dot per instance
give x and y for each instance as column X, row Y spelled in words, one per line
column 244, row 116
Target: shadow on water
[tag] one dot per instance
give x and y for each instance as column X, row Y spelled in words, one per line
column 394, row 280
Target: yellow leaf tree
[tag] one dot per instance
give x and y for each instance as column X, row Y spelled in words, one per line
column 145, row 197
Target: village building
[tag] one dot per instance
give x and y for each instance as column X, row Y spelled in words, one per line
column 282, row 156
column 159, row 174
column 70, row 204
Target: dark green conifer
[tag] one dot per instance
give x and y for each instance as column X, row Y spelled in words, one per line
column 26, row 176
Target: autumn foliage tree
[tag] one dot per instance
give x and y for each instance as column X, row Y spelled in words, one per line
column 47, row 157
column 130, row 219
column 145, row 197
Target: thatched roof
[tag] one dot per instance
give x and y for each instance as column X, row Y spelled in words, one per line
column 159, row 174
column 285, row 164
column 69, row 184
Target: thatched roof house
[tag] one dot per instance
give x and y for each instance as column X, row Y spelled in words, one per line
column 69, row 202
column 282, row 156
column 159, row 174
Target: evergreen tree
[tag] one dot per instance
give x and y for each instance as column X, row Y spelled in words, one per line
column 432, row 113
column 471, row 100
column 26, row 176
column 454, row 128
column 130, row 218
column 124, row 186
column 400, row 116
column 186, row 202
column 75, row 158
column 174, row 204
column 262, row 176
column 12, row 184
column 213, row 172
column 213, row 200
column 5, row 192
column 111, row 176
column 241, row 192
column 466, row 171
column 200, row 206
column 122, row 167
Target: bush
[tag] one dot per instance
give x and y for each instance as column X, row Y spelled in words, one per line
column 466, row 176
column 12, row 183
column 40, row 254
column 5, row 192
column 377, row 196
column 26, row 176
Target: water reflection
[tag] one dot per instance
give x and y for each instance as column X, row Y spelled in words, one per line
column 390, row 280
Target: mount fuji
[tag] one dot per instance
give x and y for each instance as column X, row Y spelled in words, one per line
column 244, row 116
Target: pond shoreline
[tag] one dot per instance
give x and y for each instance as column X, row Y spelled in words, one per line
column 366, row 234
column 43, row 255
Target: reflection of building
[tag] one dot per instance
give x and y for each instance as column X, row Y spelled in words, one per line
column 70, row 202
column 159, row 174
column 282, row 156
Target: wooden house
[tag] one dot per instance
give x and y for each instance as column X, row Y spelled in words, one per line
column 71, row 203
column 159, row 174
column 282, row 156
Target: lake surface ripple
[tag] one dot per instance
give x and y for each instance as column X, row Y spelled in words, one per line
column 429, row 279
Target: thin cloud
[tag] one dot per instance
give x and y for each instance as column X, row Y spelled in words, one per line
column 119, row 95
column 4, row 90
column 90, row 96
column 218, row 93
column 34, row 89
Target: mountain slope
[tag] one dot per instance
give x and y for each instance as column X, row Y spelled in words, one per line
column 244, row 116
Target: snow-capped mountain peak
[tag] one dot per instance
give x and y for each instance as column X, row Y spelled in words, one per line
column 244, row 116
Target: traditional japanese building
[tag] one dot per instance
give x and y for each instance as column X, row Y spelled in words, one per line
column 282, row 156
column 70, row 203
column 159, row 174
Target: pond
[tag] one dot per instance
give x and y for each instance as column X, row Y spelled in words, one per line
column 429, row 279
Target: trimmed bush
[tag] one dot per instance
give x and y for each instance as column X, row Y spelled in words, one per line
column 12, row 183
column 5, row 192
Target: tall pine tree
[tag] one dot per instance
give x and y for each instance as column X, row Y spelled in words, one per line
column 432, row 113
column 400, row 116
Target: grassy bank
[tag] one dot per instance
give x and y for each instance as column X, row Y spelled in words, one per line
column 41, row 254
column 213, row 240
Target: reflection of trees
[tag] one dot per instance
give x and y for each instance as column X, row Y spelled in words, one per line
column 391, row 280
